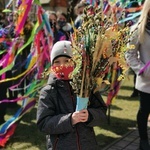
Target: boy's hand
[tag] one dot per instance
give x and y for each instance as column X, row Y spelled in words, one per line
column 80, row 116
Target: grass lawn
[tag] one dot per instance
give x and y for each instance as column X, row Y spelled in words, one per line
column 122, row 119
column 122, row 115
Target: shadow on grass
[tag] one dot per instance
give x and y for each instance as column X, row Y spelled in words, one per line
column 118, row 127
column 27, row 135
column 124, row 97
column 114, row 107
column 130, row 88
column 104, row 141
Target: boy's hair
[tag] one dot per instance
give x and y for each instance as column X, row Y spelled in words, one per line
column 61, row 48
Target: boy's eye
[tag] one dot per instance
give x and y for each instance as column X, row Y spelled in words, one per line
column 56, row 62
column 67, row 60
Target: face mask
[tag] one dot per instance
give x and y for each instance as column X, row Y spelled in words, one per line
column 52, row 24
column 61, row 23
column 63, row 72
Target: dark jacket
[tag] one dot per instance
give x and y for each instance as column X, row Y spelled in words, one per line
column 56, row 104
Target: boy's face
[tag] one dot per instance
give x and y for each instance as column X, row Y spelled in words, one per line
column 80, row 10
column 52, row 18
column 62, row 61
column 63, row 67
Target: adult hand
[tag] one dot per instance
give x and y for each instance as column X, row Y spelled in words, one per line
column 80, row 116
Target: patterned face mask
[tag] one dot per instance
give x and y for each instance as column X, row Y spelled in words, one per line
column 63, row 72
column 61, row 23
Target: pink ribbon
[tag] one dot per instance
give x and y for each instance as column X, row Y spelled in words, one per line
column 144, row 68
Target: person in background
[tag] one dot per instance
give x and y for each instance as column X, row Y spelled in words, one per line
column 58, row 35
column 3, row 96
column 28, row 27
column 56, row 115
column 3, row 85
column 12, row 95
column 63, row 25
column 79, row 12
column 133, row 4
column 138, row 58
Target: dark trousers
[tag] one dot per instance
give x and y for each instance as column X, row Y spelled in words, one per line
column 3, row 106
column 142, row 115
column 135, row 91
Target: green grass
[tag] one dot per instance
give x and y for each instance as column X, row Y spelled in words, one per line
column 122, row 119
column 122, row 115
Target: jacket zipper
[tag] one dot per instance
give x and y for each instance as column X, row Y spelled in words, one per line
column 72, row 98
column 78, row 142
column 55, row 144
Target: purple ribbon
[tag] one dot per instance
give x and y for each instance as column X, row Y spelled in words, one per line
column 144, row 68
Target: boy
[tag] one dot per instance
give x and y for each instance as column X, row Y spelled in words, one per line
column 56, row 115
